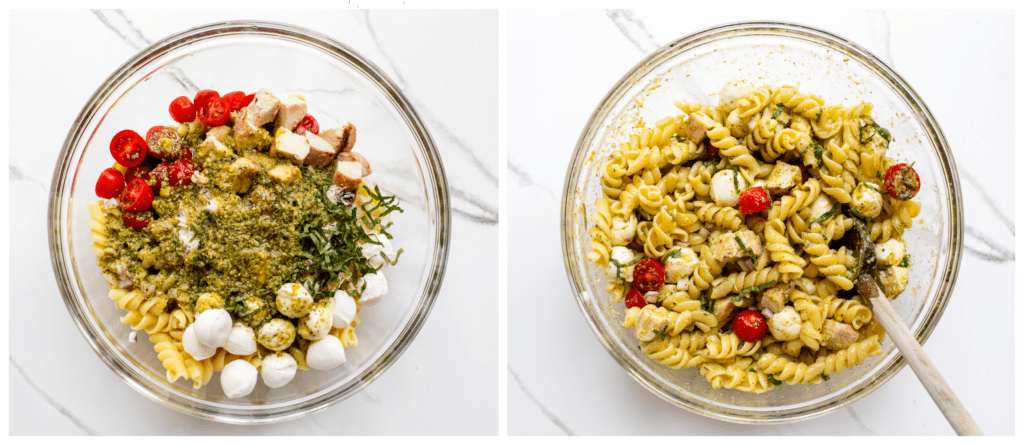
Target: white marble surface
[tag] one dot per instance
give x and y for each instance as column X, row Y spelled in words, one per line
column 58, row 385
column 562, row 63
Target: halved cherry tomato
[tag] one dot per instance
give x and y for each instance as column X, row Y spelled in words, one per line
column 128, row 148
column 180, row 172
column 214, row 112
column 186, row 153
column 164, row 142
column 137, row 196
column 648, row 275
column 308, row 123
column 182, row 110
column 202, row 97
column 248, row 100
column 137, row 220
column 902, row 181
column 140, row 171
column 159, row 176
column 233, row 100
column 110, row 184
column 635, row 299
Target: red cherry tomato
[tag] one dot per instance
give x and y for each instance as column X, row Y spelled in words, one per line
column 202, row 97
column 754, row 199
column 137, row 220
column 164, row 142
column 214, row 112
column 140, row 171
column 635, row 299
column 233, row 100
column 902, row 181
column 186, row 153
column 137, row 196
column 648, row 275
column 128, row 148
column 110, row 184
column 248, row 100
column 712, row 149
column 308, row 123
column 180, row 172
column 159, row 176
column 182, row 110
column 749, row 326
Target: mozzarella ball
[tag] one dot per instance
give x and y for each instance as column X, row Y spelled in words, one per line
column 785, row 325
column 373, row 252
column 293, row 300
column 866, row 202
column 649, row 324
column 193, row 347
column 326, row 353
column 241, row 340
column 373, row 287
column 624, row 256
column 238, row 379
column 724, row 186
column 893, row 280
column 317, row 323
column 731, row 93
column 679, row 268
column 343, row 310
column 891, row 253
column 278, row 369
column 277, row 335
column 213, row 327
column 622, row 232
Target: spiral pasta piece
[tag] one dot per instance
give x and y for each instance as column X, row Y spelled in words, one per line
column 848, row 358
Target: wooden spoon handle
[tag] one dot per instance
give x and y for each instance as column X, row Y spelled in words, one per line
column 926, row 372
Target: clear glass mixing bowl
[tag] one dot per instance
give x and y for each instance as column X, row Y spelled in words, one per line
column 694, row 68
column 340, row 86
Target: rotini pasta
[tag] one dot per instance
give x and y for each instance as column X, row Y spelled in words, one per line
column 682, row 185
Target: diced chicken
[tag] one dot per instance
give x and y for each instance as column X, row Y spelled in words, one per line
column 356, row 157
column 725, row 308
column 285, row 174
column 726, row 186
column 866, row 201
column 893, row 280
column 776, row 297
column 290, row 146
column 680, row 267
column 341, row 138
column 243, row 125
column 783, row 178
column 263, row 108
column 348, row 175
column 725, row 247
column 836, row 335
column 891, row 253
column 240, row 174
column 649, row 324
column 212, row 149
column 290, row 112
column 731, row 94
column 821, row 205
column 738, row 127
column 219, row 133
column 697, row 127
column 321, row 152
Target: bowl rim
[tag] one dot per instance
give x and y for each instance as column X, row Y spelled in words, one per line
column 325, row 46
column 776, row 29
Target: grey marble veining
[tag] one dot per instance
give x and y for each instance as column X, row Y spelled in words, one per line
column 53, row 402
column 547, row 412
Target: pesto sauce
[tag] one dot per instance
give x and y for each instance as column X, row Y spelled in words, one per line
column 247, row 243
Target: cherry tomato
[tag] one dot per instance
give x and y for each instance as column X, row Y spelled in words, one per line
column 140, row 171
column 308, row 123
column 214, row 112
column 202, row 97
column 233, row 100
column 635, row 299
column 159, row 176
column 248, row 100
column 648, row 275
column 137, row 196
column 128, row 148
column 182, row 110
column 180, row 172
column 902, row 181
column 164, row 142
column 110, row 184
column 712, row 150
column 754, row 199
column 186, row 153
column 749, row 326
column 137, row 220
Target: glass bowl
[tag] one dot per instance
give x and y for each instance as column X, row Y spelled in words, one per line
column 340, row 86
column 694, row 68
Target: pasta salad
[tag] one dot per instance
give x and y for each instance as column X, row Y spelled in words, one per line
column 726, row 233
column 243, row 240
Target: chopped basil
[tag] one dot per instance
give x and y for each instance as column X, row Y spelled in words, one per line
column 663, row 332
column 671, row 254
column 870, row 134
column 827, row 214
column 677, row 138
column 750, row 253
column 820, row 110
column 819, row 151
column 778, row 110
column 906, row 261
column 736, row 179
column 824, row 377
column 750, row 289
column 882, row 132
column 773, row 381
column 705, row 303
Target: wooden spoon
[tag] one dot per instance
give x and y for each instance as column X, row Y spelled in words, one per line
column 914, row 354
